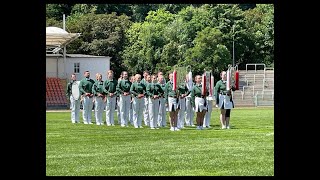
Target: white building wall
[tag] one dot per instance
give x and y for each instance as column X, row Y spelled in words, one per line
column 92, row 64
column 51, row 66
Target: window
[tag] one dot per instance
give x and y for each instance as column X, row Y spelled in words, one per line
column 76, row 68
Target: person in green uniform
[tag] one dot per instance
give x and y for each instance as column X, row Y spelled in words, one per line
column 74, row 104
column 183, row 93
column 97, row 90
column 118, row 102
column 110, row 90
column 123, row 89
column 162, row 107
column 189, row 109
column 198, row 101
column 172, row 102
column 224, row 100
column 132, row 80
column 146, row 80
column 154, row 92
column 138, row 91
column 85, row 88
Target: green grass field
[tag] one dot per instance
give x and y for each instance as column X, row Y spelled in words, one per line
column 90, row 150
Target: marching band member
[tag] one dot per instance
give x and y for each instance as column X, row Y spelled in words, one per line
column 162, row 107
column 85, row 88
column 210, row 98
column 189, row 108
column 172, row 102
column 74, row 104
column 224, row 100
column 118, row 102
column 132, row 80
column 154, row 92
column 123, row 89
column 146, row 80
column 183, row 92
column 138, row 90
column 110, row 86
column 97, row 91
column 198, row 100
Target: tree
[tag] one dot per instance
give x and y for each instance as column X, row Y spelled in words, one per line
column 56, row 11
column 101, row 34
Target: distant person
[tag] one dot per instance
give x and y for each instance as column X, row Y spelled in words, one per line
column 146, row 80
column 162, row 122
column 110, row 90
column 183, row 93
column 85, row 88
column 118, row 102
column 172, row 102
column 138, row 91
column 123, row 89
column 198, row 101
column 189, row 109
column 224, row 100
column 132, row 80
column 74, row 104
column 154, row 92
column 97, row 90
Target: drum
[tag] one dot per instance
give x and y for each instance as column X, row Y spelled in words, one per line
column 75, row 90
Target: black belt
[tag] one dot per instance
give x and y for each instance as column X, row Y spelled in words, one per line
column 173, row 96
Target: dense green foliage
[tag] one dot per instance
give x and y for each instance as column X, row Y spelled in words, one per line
column 160, row 36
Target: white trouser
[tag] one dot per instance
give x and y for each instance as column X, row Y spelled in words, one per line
column 137, row 106
column 189, row 112
column 75, row 109
column 207, row 117
column 118, row 110
column 200, row 104
column 146, row 116
column 124, row 109
column 87, row 109
column 224, row 102
column 154, row 112
column 162, row 113
column 131, row 113
column 181, row 113
column 110, row 107
column 98, row 109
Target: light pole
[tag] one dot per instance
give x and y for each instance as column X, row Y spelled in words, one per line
column 233, row 47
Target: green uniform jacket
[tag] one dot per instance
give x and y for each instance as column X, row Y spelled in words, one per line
column 168, row 92
column 69, row 89
column 97, row 88
column 183, row 89
column 110, row 86
column 138, row 88
column 154, row 89
column 196, row 92
column 123, row 86
column 221, row 88
column 85, row 86
column 163, row 87
column 143, row 81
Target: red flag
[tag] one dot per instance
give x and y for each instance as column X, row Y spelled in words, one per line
column 174, row 80
column 237, row 80
column 203, row 90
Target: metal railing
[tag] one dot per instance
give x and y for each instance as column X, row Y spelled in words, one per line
column 265, row 81
column 254, row 77
column 255, row 66
column 243, row 91
column 260, row 99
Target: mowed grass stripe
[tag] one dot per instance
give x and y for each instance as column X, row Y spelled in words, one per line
column 90, row 150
